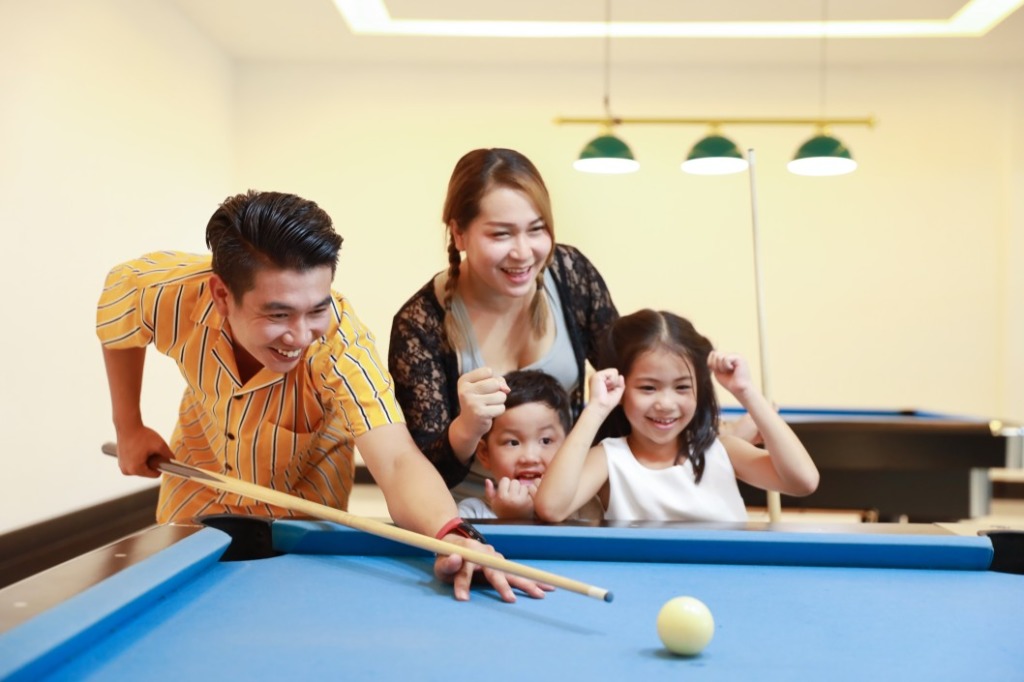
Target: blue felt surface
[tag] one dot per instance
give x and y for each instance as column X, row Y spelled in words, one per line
column 327, row 617
column 180, row 615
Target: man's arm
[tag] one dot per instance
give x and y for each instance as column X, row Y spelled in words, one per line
column 135, row 441
column 418, row 500
column 417, row 497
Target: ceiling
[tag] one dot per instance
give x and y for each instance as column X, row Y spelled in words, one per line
column 315, row 31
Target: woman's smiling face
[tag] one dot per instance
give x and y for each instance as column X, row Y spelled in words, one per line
column 507, row 245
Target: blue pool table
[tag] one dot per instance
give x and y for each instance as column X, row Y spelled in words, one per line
column 905, row 602
column 911, row 465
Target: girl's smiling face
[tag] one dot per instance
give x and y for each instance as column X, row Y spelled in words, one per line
column 660, row 399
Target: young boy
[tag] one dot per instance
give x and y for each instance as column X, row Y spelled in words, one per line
column 519, row 447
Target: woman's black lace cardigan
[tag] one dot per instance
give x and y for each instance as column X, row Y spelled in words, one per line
column 425, row 368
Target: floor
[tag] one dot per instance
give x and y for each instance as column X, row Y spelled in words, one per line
column 367, row 500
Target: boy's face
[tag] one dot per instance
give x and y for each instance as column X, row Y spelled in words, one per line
column 521, row 443
column 276, row 320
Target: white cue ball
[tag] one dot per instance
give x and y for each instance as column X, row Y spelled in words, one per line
column 685, row 625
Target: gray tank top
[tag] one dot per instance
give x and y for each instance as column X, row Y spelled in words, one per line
column 559, row 362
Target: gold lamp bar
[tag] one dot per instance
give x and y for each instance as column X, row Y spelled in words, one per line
column 868, row 121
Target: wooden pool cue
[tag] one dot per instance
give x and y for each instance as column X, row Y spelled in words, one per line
column 218, row 481
column 774, row 499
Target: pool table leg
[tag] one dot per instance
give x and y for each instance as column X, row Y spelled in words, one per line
column 981, row 493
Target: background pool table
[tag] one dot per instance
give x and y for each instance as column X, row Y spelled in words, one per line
column 337, row 604
column 909, row 464
column 923, row 466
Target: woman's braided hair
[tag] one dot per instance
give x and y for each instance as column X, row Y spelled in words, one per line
column 477, row 173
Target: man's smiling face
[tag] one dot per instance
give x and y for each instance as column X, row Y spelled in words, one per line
column 278, row 318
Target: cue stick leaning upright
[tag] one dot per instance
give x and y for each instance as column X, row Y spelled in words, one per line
column 277, row 498
column 774, row 499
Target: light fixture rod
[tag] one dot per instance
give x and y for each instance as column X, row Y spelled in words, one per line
column 608, row 60
column 774, row 499
column 868, row 121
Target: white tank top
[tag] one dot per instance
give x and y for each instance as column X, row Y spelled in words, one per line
column 636, row 493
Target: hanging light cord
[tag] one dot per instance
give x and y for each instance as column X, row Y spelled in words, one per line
column 823, row 60
column 608, row 60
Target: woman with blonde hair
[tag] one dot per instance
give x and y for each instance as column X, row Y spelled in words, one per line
column 512, row 298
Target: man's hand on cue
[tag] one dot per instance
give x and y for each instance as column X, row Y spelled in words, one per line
column 453, row 569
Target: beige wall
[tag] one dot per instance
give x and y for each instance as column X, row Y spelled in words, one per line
column 121, row 128
column 885, row 288
column 115, row 139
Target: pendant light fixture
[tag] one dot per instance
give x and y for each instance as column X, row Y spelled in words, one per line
column 606, row 153
column 714, row 155
column 718, row 155
column 823, row 154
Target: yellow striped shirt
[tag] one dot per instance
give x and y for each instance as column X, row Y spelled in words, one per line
column 292, row 432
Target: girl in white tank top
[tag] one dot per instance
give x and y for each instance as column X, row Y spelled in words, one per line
column 660, row 458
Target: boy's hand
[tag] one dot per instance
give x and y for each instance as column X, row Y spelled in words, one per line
column 510, row 499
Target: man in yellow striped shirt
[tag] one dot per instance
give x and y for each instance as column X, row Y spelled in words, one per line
column 283, row 381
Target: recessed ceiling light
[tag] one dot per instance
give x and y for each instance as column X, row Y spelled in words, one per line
column 974, row 19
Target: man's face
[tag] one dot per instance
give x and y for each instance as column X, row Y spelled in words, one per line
column 276, row 320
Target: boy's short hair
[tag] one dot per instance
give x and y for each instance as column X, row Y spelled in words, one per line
column 533, row 386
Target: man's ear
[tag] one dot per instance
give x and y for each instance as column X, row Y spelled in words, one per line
column 220, row 292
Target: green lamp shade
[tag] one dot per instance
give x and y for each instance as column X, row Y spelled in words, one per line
column 606, row 154
column 714, row 155
column 822, row 155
